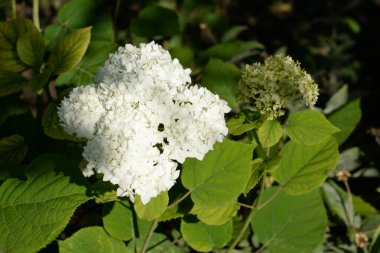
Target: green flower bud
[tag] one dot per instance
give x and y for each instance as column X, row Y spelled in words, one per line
column 272, row 86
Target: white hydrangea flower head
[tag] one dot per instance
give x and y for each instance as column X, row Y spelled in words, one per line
column 272, row 86
column 142, row 118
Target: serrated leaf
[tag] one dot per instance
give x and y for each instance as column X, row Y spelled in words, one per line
column 290, row 224
column 96, row 54
column 34, row 212
column 118, row 220
column 337, row 100
column 309, row 127
column 203, row 237
column 69, row 50
column 52, row 127
column 243, row 122
column 155, row 21
column 221, row 176
column 13, row 149
column 346, row 119
column 31, row 47
column 91, row 239
column 10, row 32
column 305, row 167
column 11, row 82
column 222, row 78
column 256, row 173
column 217, row 214
column 269, row 133
column 154, row 208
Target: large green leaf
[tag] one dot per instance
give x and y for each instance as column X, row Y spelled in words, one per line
column 52, row 127
column 309, row 127
column 346, row 119
column 118, row 220
column 31, row 47
column 154, row 208
column 305, row 167
column 34, row 212
column 91, row 239
column 203, row 237
column 290, row 224
column 13, row 149
column 269, row 133
column 10, row 32
column 96, row 54
column 69, row 50
column 155, row 21
column 222, row 78
column 243, row 122
column 221, row 177
column 11, row 82
column 217, row 214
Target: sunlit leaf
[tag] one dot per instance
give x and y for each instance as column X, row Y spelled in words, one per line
column 269, row 133
column 154, row 208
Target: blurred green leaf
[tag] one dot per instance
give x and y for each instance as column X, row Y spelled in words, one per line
column 222, row 78
column 154, row 208
column 118, row 220
column 158, row 243
column 10, row 106
column 233, row 32
column 346, row 119
column 155, row 21
column 95, row 56
column 203, row 237
column 13, row 149
column 304, row 168
column 309, row 127
column 11, row 82
column 269, row 133
column 31, row 47
column 349, row 159
column 337, row 100
column 91, row 239
column 290, row 224
column 10, row 32
column 69, row 50
column 184, row 54
column 36, row 211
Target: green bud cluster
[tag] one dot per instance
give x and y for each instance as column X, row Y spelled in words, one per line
column 272, row 86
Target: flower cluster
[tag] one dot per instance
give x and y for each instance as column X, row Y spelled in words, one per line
column 276, row 83
column 142, row 118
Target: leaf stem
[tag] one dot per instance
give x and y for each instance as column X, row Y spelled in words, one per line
column 149, row 236
column 179, row 200
column 245, row 205
column 14, row 9
column 350, row 206
column 36, row 17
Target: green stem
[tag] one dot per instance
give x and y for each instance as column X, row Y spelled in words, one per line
column 14, row 9
column 36, row 17
column 179, row 200
column 245, row 205
column 149, row 236
column 350, row 206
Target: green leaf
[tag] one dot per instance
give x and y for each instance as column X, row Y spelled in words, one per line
column 31, row 47
column 81, row 13
column 229, row 51
column 348, row 159
column 13, row 149
column 11, row 82
column 218, row 214
column 91, row 239
column 11, row 106
column 255, row 175
column 221, row 177
column 232, row 33
column 337, row 100
column 35, row 212
column 154, row 208
column 243, row 122
column 159, row 243
column 185, row 55
column 52, row 127
column 290, row 224
column 304, row 167
column 118, row 220
column 69, row 50
column 309, row 127
column 269, row 133
column 222, row 78
column 346, row 119
column 155, row 21
column 96, row 54
column 203, row 237
column 10, row 32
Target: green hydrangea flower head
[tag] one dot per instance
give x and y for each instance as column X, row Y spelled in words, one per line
column 274, row 85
